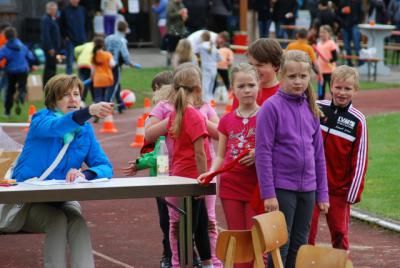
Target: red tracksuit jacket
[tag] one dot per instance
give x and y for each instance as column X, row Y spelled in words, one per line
column 344, row 131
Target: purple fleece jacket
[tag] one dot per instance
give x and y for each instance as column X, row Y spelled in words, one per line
column 289, row 147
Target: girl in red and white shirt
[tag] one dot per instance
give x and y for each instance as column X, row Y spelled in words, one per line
column 237, row 134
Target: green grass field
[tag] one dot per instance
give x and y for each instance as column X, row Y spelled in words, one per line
column 382, row 185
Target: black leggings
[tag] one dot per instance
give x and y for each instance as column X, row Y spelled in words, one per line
column 325, row 83
column 13, row 80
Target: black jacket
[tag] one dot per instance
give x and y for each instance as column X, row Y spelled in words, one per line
column 50, row 36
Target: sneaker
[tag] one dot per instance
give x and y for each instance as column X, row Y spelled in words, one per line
column 165, row 262
column 196, row 262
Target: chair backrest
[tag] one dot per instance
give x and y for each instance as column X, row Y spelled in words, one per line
column 235, row 247
column 322, row 257
column 6, row 160
column 269, row 234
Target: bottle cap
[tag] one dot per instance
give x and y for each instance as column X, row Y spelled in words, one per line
column 162, row 138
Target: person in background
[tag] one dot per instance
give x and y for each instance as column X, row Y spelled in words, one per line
column 263, row 8
column 51, row 40
column 284, row 13
column 110, row 10
column 73, row 31
column 377, row 11
column 84, row 54
column 301, row 43
column 118, row 46
column 103, row 63
column 290, row 164
column 351, row 14
column 160, row 8
column 227, row 57
column 18, row 58
column 209, row 57
column 3, row 76
column 346, row 154
column 177, row 14
column 327, row 56
column 61, row 122
column 183, row 53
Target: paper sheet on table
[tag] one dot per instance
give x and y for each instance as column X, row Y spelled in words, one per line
column 133, row 6
column 62, row 182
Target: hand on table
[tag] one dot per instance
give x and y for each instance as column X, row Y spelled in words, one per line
column 73, row 174
column 131, row 169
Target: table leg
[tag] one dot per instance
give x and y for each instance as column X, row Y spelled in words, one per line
column 189, row 232
column 182, row 235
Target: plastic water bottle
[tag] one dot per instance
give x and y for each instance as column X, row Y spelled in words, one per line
column 162, row 158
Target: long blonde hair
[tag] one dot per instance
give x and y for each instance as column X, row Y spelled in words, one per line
column 185, row 82
column 184, row 51
column 302, row 57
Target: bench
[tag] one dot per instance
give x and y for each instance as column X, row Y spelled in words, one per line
column 371, row 62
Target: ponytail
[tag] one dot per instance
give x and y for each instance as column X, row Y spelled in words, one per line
column 98, row 45
column 180, row 106
column 312, row 101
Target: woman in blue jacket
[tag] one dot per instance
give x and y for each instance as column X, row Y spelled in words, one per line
column 63, row 122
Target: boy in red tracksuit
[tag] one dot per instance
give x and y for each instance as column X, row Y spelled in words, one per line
column 344, row 132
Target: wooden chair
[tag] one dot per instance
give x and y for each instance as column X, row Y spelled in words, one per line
column 322, row 257
column 6, row 160
column 235, row 247
column 269, row 233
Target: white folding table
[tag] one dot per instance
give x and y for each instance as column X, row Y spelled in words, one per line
column 119, row 188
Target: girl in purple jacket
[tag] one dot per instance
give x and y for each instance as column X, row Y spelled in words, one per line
column 289, row 154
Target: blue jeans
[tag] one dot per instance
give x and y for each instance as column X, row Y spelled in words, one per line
column 263, row 26
column 69, row 61
column 351, row 34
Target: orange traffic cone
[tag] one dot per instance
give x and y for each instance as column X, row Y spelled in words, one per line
column 108, row 125
column 147, row 108
column 229, row 103
column 213, row 103
column 31, row 112
column 139, row 137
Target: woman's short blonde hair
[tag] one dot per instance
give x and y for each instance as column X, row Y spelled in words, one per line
column 56, row 87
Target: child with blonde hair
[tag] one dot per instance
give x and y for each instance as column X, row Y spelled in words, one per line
column 290, row 159
column 327, row 56
column 183, row 53
column 236, row 132
column 344, row 130
column 158, row 126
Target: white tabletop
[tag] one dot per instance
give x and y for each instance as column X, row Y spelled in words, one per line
column 376, row 27
column 116, row 188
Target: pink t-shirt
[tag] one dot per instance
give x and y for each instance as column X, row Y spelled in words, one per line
column 239, row 182
column 161, row 111
column 325, row 49
column 193, row 126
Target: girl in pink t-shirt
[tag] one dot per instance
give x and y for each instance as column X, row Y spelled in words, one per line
column 159, row 118
column 236, row 134
column 327, row 57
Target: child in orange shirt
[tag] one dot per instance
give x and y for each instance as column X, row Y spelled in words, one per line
column 103, row 62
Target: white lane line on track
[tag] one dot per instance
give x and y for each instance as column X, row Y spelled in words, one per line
column 116, row 136
column 112, row 260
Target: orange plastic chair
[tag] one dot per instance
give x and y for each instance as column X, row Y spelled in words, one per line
column 322, row 257
column 269, row 233
column 235, row 247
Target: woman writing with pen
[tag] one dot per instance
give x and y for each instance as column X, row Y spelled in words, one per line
column 63, row 125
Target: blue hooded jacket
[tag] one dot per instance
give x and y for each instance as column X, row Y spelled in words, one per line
column 17, row 56
column 45, row 140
